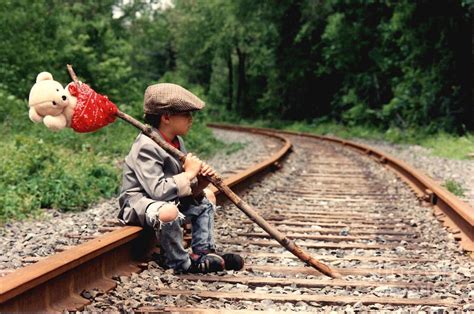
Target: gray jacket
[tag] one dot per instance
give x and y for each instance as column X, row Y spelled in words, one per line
column 150, row 174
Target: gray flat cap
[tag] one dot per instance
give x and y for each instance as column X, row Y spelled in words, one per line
column 170, row 98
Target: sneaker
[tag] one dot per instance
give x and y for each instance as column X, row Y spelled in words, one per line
column 209, row 263
column 233, row 261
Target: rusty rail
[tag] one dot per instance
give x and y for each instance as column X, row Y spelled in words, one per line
column 55, row 283
column 456, row 215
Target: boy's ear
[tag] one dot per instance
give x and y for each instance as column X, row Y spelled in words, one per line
column 165, row 118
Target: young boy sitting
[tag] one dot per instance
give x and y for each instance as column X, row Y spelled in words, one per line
column 158, row 192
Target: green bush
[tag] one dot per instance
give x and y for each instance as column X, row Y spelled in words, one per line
column 36, row 174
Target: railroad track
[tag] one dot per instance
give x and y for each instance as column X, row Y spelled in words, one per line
column 342, row 206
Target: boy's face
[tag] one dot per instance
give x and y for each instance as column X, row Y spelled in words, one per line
column 180, row 123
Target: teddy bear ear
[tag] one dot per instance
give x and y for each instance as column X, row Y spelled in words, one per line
column 44, row 76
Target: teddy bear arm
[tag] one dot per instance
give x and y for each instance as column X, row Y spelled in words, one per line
column 55, row 123
column 34, row 116
column 68, row 113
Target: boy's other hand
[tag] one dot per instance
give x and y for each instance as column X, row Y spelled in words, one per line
column 206, row 170
column 202, row 183
column 192, row 165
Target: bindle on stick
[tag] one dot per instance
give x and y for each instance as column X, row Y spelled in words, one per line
column 107, row 112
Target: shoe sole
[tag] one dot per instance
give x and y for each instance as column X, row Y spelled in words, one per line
column 233, row 261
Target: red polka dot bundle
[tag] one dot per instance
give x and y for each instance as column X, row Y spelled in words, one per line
column 93, row 110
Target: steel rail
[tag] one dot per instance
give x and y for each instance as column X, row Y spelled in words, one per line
column 55, row 283
column 456, row 215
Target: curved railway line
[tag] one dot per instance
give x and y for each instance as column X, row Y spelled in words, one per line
column 333, row 197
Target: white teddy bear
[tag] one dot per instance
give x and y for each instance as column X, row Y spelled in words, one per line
column 50, row 102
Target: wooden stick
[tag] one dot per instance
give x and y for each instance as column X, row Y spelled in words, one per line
column 218, row 182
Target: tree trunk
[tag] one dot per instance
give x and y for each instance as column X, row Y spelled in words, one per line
column 230, row 90
column 241, row 86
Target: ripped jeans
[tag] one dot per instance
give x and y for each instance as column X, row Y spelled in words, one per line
column 171, row 233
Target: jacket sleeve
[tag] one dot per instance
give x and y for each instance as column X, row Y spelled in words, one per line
column 149, row 171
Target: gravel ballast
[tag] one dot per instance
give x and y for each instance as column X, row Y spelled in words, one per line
column 439, row 168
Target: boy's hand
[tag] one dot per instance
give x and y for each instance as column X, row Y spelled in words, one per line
column 192, row 165
column 202, row 183
column 206, row 171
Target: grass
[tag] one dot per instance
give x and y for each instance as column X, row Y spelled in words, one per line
column 450, row 146
column 66, row 170
column 234, row 147
column 454, row 187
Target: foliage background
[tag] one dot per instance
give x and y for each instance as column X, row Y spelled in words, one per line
column 400, row 67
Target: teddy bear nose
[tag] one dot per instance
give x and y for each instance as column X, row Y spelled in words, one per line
column 64, row 97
